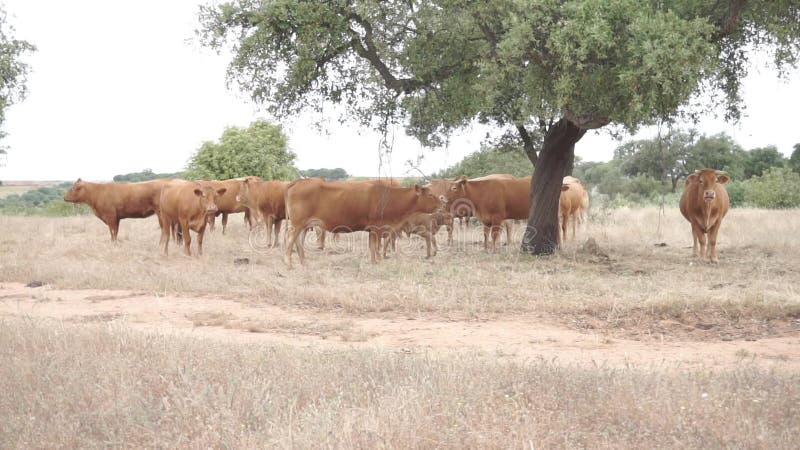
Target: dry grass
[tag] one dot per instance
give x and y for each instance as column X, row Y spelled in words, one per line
column 101, row 385
column 641, row 282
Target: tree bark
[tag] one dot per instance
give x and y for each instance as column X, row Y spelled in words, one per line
column 541, row 235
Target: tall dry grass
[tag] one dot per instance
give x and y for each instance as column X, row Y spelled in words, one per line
column 649, row 271
column 91, row 386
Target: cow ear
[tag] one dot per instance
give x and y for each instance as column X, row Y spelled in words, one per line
column 462, row 181
column 79, row 180
column 222, row 191
column 418, row 189
column 198, row 192
column 691, row 179
column 564, row 187
column 722, row 179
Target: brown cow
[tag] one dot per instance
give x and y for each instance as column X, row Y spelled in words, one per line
column 347, row 207
column 187, row 205
column 227, row 204
column 704, row 204
column 112, row 202
column 425, row 225
column 462, row 210
column 266, row 201
column 493, row 200
column 321, row 233
column 573, row 204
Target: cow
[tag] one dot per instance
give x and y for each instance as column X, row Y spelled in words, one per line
column 463, row 209
column 583, row 212
column 186, row 205
column 573, row 204
column 227, row 204
column 321, row 234
column 112, row 202
column 704, row 204
column 266, row 202
column 347, row 207
column 493, row 200
column 425, row 225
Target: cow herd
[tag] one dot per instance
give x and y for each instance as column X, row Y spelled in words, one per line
column 381, row 207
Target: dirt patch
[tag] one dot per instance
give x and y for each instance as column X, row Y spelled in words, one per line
column 586, row 340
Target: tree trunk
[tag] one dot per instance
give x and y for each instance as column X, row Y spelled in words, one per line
column 541, row 235
column 570, row 162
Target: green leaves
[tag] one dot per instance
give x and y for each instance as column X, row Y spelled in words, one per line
column 260, row 150
column 436, row 66
column 13, row 71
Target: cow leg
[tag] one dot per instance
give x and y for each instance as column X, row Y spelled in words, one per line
column 386, row 243
column 564, row 221
column 276, row 232
column 486, row 231
column 113, row 227
column 449, row 234
column 187, row 238
column 320, row 238
column 495, row 235
column 509, row 226
column 574, row 224
column 699, row 241
column 711, row 250
column 224, row 222
column 374, row 243
column 428, row 240
column 269, row 230
column 166, row 228
column 248, row 218
column 200, row 234
column 291, row 238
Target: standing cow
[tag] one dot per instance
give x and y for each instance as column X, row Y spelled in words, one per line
column 187, row 205
column 266, row 202
column 228, row 204
column 704, row 204
column 112, row 202
column 337, row 206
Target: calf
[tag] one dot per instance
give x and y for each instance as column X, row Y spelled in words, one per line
column 186, row 206
column 425, row 225
column 227, row 203
column 704, row 204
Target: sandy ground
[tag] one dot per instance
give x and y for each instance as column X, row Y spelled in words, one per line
column 517, row 338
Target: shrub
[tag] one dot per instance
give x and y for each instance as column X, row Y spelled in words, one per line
column 779, row 187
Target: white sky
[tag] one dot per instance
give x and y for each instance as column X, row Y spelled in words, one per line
column 118, row 87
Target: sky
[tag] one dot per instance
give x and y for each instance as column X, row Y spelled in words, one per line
column 117, row 87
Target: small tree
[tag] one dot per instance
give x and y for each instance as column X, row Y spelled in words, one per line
column 661, row 158
column 488, row 161
column 794, row 160
column 758, row 160
column 779, row 187
column 260, row 150
column 13, row 72
column 331, row 174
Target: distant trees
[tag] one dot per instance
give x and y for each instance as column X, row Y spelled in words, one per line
column 489, row 160
column 145, row 175
column 331, row 174
column 260, row 149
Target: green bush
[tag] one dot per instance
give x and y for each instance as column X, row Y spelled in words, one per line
column 736, row 193
column 777, row 188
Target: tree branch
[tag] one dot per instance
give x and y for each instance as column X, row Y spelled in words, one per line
column 527, row 142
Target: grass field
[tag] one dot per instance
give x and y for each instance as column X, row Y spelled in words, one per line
column 110, row 377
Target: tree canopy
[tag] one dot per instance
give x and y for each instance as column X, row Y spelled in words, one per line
column 260, row 150
column 145, row 175
column 331, row 174
column 488, row 161
column 561, row 67
column 13, row 71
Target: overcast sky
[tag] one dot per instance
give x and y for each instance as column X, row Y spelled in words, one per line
column 118, row 87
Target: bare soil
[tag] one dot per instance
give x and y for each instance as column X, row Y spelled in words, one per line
column 521, row 337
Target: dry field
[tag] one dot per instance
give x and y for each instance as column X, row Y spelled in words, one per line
column 634, row 344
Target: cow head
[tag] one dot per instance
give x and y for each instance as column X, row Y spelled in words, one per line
column 426, row 200
column 706, row 181
column 244, row 197
column 77, row 193
column 207, row 197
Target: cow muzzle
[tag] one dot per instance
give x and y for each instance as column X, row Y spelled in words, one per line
column 709, row 195
column 211, row 208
